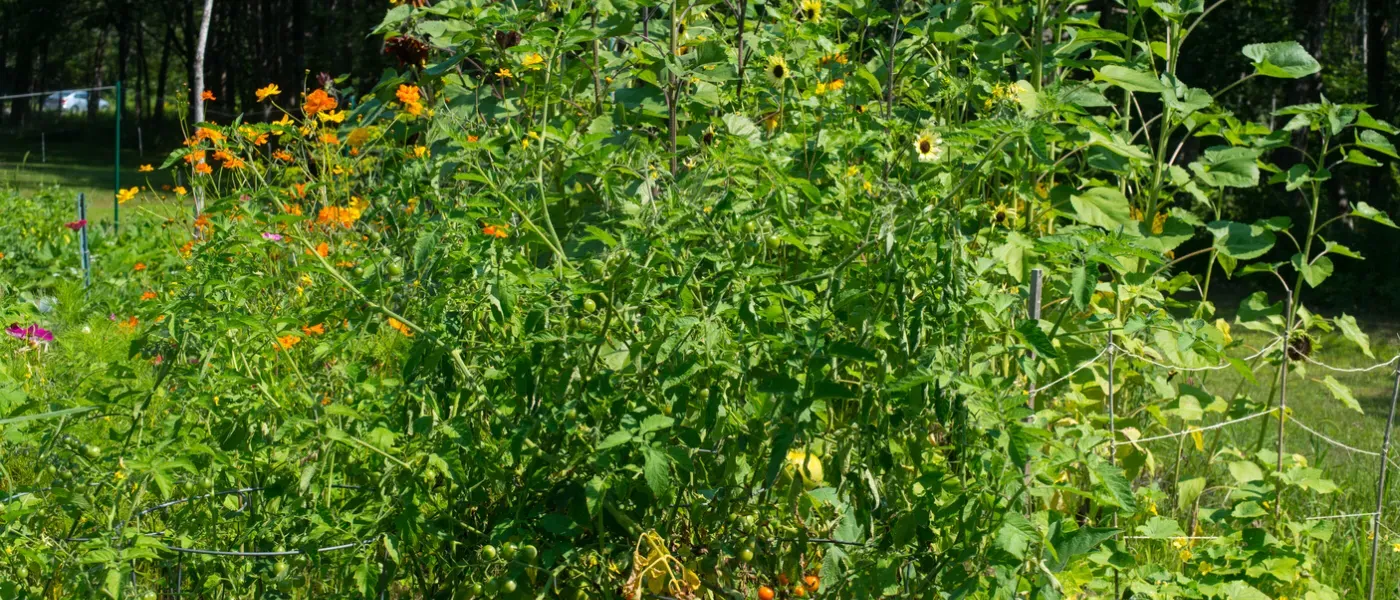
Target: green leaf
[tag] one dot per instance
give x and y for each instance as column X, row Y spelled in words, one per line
column 1315, row 272
column 1029, row 331
column 1248, row 510
column 1374, row 140
column 617, row 438
column 1357, row 157
column 1228, row 167
column 1103, row 206
column 656, row 468
column 1285, row 60
column 1353, row 333
column 1245, row 471
column 1161, row 528
column 1078, row 543
column 1118, row 486
column 1188, row 491
column 1240, row 241
column 1012, row 254
column 741, row 126
column 1081, row 287
column 655, row 423
column 1368, row 212
column 1342, row 393
column 1130, row 79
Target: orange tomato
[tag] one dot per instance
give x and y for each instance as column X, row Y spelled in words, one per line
column 813, row 583
column 799, row 591
column 765, row 593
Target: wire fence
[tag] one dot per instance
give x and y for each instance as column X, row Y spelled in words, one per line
column 1112, row 350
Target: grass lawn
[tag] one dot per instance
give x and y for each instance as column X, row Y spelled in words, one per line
column 79, row 159
column 1344, row 559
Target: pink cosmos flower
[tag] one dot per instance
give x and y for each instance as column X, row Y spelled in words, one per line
column 32, row 333
column 272, row 237
column 76, row 225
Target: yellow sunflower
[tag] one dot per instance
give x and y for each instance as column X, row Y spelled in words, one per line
column 777, row 69
column 929, row 146
column 1002, row 215
column 812, row 10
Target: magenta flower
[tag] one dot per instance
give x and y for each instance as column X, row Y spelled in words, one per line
column 76, row 225
column 272, row 237
column 32, row 333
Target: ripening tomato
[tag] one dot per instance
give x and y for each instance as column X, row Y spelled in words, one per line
column 813, row 582
column 765, row 593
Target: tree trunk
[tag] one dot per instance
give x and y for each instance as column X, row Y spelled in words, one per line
column 158, row 109
column 198, row 87
column 24, row 80
column 1378, row 83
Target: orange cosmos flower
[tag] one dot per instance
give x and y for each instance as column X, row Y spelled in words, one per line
column 421, row 151
column 318, row 101
column 148, row 296
column 180, row 190
column 282, row 155
column 323, row 249
column 138, row 267
column 124, row 196
column 292, row 209
column 409, row 94
column 317, row 329
column 345, row 217
column 268, row 92
column 398, row 326
column 300, row 190
column 146, row 168
column 213, row 135
column 329, row 139
column 495, row 231
column 129, row 324
column 208, row 96
column 471, row 138
column 286, row 342
column 233, row 163
column 203, row 169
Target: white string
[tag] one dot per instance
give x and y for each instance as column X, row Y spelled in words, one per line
column 1197, row 429
column 1084, row 365
column 1351, row 370
column 1225, row 365
column 1369, row 514
column 1173, row 538
column 1332, row 441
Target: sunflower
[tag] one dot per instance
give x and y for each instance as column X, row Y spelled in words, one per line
column 1003, row 214
column 777, row 69
column 929, row 146
column 812, row 10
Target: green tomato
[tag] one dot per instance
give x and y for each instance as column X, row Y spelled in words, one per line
column 92, row 452
column 206, row 483
column 589, row 305
column 21, row 573
column 774, row 242
column 395, row 268
column 279, row 570
column 749, row 227
column 476, row 589
column 529, row 553
column 491, row 588
column 488, row 552
column 746, row 555
column 704, row 393
column 508, row 550
column 148, row 595
column 509, row 586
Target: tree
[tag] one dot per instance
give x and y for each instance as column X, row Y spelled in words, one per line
column 198, row 88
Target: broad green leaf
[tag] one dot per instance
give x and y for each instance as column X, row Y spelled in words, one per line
column 1245, row 471
column 1368, row 212
column 741, row 126
column 617, row 438
column 656, row 468
column 655, row 423
column 1118, row 486
column 1188, row 491
column 1012, row 254
column 1342, row 393
column 1315, row 272
column 1240, row 241
column 1248, row 510
column 1078, row 543
column 1029, row 331
column 1228, row 167
column 1103, row 206
column 1161, row 528
column 1130, row 79
column 1353, row 333
column 1374, row 140
column 1285, row 60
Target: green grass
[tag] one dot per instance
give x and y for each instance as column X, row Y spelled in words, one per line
column 1343, row 560
column 79, row 159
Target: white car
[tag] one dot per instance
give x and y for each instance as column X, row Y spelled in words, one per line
column 72, row 101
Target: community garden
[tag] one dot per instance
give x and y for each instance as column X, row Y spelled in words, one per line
column 692, row 299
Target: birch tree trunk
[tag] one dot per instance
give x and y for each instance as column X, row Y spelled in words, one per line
column 198, row 106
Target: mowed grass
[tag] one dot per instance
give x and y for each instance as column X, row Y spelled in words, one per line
column 72, row 156
column 1344, row 560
